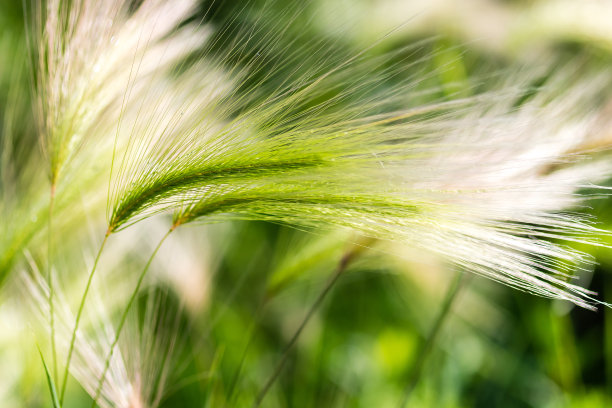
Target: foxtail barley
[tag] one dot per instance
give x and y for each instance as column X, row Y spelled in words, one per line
column 189, row 125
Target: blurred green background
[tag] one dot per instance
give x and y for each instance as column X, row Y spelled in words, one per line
column 496, row 347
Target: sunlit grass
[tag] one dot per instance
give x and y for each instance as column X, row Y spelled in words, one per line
column 157, row 117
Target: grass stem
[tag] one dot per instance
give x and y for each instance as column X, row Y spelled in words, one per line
column 342, row 266
column 251, row 336
column 79, row 315
column 449, row 299
column 124, row 316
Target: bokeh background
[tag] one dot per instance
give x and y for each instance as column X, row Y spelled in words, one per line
column 234, row 293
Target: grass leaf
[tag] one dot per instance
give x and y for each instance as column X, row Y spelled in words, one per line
column 50, row 383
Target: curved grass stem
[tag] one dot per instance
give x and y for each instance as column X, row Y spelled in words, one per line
column 79, row 315
column 342, row 266
column 124, row 316
column 449, row 299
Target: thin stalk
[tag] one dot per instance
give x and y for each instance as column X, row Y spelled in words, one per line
column 78, row 316
column 50, row 281
column 342, row 266
column 124, row 317
column 449, row 299
column 254, row 323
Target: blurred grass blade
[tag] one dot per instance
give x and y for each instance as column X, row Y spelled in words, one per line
column 50, row 382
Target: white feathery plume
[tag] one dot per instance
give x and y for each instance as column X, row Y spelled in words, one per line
column 503, row 190
column 488, row 191
column 481, row 180
column 98, row 57
column 139, row 369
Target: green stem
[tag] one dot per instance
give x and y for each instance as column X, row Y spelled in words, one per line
column 78, row 317
column 449, row 299
column 124, row 317
column 50, row 281
column 342, row 266
column 251, row 336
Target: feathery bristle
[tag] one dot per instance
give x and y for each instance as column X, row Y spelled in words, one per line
column 140, row 369
column 481, row 180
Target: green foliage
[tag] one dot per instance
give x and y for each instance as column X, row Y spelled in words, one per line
column 259, row 202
